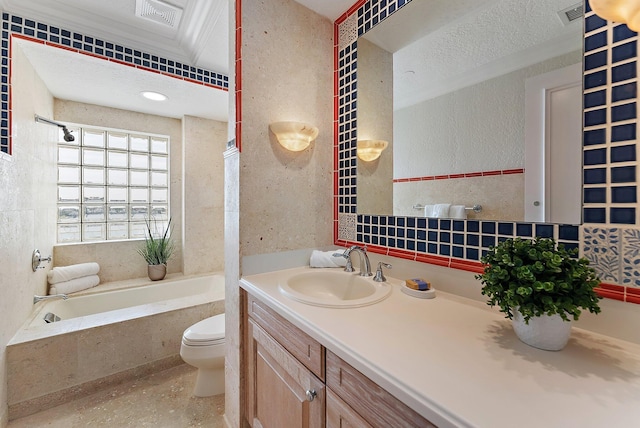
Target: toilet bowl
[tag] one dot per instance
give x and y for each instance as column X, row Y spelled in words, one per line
column 203, row 347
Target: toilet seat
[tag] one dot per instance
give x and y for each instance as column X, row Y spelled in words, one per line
column 209, row 331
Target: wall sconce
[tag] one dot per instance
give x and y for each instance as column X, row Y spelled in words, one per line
column 370, row 150
column 294, row 136
column 624, row 11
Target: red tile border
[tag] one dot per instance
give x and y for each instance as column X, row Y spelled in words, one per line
column 632, row 295
column 434, row 260
column 513, row 171
column 402, row 254
column 460, row 175
column 468, row 265
column 610, row 294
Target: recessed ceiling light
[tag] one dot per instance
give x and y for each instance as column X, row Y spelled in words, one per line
column 155, row 96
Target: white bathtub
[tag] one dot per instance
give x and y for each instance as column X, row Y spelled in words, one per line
column 165, row 294
column 107, row 334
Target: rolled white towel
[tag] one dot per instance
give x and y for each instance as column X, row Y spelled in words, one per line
column 325, row 259
column 441, row 210
column 458, row 212
column 74, row 285
column 428, row 211
column 67, row 273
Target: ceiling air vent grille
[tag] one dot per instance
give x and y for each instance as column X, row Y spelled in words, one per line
column 571, row 13
column 158, row 11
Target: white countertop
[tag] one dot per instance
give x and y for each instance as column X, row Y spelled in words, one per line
column 457, row 362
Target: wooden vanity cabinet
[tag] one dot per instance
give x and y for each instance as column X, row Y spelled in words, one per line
column 286, row 370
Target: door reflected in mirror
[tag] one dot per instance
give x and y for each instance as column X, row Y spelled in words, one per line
column 445, row 83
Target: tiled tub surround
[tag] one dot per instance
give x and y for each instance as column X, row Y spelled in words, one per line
column 48, row 364
column 29, row 29
column 610, row 163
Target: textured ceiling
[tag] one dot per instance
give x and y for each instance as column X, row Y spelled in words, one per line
column 457, row 43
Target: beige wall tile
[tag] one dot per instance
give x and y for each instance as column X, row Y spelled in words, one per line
column 27, row 202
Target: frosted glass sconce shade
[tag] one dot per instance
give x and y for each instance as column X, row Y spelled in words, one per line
column 370, row 150
column 294, row 136
column 625, row 11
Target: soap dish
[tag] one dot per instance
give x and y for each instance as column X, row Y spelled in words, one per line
column 425, row 294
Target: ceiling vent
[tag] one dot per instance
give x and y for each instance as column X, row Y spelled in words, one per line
column 159, row 12
column 571, row 13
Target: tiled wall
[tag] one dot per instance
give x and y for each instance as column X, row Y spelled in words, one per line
column 17, row 26
column 610, row 190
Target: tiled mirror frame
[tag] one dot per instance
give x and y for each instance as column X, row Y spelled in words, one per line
column 84, row 44
column 609, row 238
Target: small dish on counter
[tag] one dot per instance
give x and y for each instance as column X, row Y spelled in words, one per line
column 420, row 294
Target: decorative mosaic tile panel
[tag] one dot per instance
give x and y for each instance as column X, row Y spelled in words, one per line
column 348, row 31
column 601, row 246
column 13, row 25
column 347, row 227
column 630, row 263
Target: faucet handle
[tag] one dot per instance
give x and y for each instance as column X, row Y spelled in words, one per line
column 379, row 275
column 349, row 266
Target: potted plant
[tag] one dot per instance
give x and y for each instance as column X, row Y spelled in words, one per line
column 157, row 249
column 541, row 287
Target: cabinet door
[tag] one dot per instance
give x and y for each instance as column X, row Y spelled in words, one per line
column 341, row 415
column 283, row 393
column 366, row 398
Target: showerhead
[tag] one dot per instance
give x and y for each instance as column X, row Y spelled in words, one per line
column 67, row 134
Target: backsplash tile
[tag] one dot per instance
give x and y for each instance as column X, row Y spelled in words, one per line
column 601, row 246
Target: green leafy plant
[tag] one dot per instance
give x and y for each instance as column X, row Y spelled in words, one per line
column 538, row 277
column 158, row 245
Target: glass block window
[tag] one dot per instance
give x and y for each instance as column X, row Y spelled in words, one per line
column 109, row 182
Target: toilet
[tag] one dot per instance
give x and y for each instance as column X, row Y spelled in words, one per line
column 203, row 348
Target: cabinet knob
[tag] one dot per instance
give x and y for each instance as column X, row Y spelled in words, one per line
column 311, row 394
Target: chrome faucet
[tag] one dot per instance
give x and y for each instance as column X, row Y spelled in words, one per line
column 365, row 265
column 37, row 298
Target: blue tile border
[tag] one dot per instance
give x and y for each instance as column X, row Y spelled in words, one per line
column 14, row 25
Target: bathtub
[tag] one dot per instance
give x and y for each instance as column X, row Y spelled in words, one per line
column 106, row 335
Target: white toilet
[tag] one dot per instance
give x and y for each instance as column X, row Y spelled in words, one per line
column 203, row 348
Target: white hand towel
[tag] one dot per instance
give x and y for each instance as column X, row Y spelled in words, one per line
column 74, row 285
column 428, row 211
column 325, row 259
column 67, row 273
column 441, row 210
column 457, row 212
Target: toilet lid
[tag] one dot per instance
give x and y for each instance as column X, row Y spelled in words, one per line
column 207, row 330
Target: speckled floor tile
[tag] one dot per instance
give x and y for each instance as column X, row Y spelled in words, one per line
column 162, row 400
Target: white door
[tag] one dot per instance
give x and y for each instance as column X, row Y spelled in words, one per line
column 553, row 146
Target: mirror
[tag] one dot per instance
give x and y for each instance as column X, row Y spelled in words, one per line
column 452, row 85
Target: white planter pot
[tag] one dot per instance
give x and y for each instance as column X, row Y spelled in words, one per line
column 550, row 333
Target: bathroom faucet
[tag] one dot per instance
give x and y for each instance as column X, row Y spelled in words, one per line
column 365, row 265
column 37, row 298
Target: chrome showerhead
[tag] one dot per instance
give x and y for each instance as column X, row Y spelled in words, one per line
column 67, row 134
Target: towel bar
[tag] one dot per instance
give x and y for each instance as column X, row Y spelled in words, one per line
column 476, row 208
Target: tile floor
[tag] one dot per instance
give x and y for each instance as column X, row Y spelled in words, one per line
column 162, row 400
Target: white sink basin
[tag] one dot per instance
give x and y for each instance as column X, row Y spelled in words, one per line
column 334, row 289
